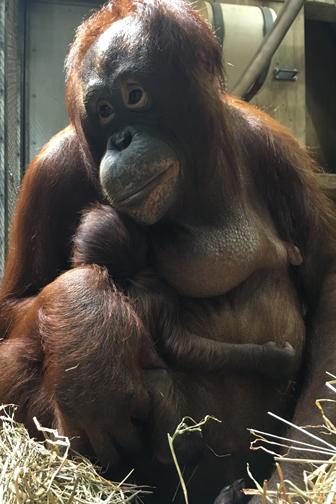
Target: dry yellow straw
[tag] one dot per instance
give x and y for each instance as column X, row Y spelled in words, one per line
column 37, row 472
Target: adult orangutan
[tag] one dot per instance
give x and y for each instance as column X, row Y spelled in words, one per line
column 154, row 238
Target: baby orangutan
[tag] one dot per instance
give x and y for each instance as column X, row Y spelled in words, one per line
column 107, row 239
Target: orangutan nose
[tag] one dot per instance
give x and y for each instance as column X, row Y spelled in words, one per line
column 120, row 140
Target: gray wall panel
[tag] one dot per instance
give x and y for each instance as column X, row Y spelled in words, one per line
column 51, row 27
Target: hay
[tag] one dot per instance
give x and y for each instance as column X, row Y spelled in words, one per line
column 36, row 472
column 42, row 472
column 318, row 466
column 187, row 425
column 317, row 458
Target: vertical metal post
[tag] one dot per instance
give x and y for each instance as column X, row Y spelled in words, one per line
column 3, row 192
column 14, row 72
column 11, row 92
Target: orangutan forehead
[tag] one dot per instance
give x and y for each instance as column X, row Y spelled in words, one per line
column 122, row 48
column 145, row 44
column 123, row 41
column 124, row 32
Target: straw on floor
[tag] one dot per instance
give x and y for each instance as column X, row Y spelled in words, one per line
column 42, row 472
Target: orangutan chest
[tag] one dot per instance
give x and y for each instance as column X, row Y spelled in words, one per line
column 210, row 261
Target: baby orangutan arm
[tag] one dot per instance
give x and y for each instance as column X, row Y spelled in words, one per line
column 190, row 351
column 182, row 345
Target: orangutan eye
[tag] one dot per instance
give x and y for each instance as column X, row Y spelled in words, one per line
column 105, row 111
column 134, row 96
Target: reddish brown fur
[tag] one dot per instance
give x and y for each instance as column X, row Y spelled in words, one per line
column 78, row 347
column 105, row 238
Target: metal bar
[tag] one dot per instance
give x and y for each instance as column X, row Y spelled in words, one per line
column 11, row 79
column 268, row 46
column 2, row 136
column 13, row 111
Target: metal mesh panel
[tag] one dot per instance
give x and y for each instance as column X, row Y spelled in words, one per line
column 13, row 106
column 10, row 112
column 2, row 136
